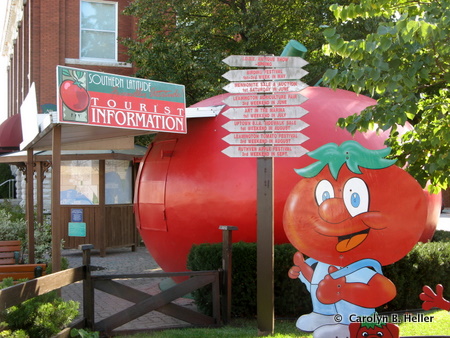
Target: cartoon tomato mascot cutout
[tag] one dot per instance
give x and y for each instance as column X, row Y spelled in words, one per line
column 433, row 299
column 353, row 212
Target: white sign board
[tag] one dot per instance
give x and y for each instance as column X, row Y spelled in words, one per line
column 265, row 86
column 265, row 74
column 265, row 138
column 265, row 151
column 259, row 126
column 265, row 61
column 279, row 99
column 280, row 112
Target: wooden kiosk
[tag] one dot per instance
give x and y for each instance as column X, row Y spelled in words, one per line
column 107, row 111
column 107, row 220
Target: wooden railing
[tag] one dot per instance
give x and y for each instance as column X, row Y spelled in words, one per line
column 143, row 302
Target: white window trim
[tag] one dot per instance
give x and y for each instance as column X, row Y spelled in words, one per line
column 97, row 62
column 116, row 33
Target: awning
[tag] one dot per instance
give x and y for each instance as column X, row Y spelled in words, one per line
column 11, row 134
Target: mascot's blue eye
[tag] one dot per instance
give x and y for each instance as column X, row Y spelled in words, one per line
column 355, row 200
column 356, row 196
column 324, row 191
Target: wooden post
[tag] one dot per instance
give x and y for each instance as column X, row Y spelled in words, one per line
column 30, row 204
column 39, row 193
column 88, row 287
column 56, row 198
column 264, row 265
column 101, row 204
column 41, row 168
column 227, row 270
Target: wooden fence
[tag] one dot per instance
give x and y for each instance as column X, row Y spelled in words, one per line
column 143, row 302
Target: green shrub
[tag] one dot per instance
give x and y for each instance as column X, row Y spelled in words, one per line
column 209, row 257
column 42, row 316
column 426, row 264
column 14, row 227
column 441, row 236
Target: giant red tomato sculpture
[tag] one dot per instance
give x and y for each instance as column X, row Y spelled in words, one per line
column 186, row 187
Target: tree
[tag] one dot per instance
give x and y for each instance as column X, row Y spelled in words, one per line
column 403, row 63
column 185, row 41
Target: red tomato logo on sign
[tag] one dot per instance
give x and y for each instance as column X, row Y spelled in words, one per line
column 74, row 96
column 72, row 90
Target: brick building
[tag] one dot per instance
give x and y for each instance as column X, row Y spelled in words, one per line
column 38, row 36
column 41, row 34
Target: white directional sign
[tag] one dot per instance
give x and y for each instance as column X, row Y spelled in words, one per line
column 265, row 86
column 242, row 126
column 265, row 151
column 280, row 112
column 279, row 99
column 265, row 107
column 264, row 74
column 264, row 61
column 265, row 138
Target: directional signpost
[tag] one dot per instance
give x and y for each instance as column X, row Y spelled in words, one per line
column 264, row 74
column 264, row 86
column 280, row 112
column 265, row 123
column 265, row 61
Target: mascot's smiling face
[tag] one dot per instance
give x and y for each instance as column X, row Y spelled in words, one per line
column 354, row 204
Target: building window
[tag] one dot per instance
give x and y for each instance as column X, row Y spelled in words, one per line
column 79, row 182
column 118, row 182
column 98, row 30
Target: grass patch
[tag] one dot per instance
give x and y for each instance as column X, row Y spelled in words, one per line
column 440, row 325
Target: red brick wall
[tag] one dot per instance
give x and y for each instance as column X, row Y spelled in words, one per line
column 446, row 198
column 49, row 34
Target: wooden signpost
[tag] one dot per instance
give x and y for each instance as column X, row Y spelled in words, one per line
column 265, row 123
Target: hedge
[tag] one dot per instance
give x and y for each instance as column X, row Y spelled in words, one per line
column 426, row 264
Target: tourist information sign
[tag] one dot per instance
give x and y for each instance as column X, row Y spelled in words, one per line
column 108, row 100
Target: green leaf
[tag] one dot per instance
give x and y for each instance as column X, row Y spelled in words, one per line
column 385, row 43
column 329, row 32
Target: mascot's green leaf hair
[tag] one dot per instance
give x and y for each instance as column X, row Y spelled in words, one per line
column 351, row 153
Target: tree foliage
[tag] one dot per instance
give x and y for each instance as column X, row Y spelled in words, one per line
column 403, row 63
column 185, row 41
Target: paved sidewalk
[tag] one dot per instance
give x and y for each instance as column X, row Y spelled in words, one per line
column 122, row 261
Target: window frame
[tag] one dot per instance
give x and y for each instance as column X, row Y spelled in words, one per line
column 116, row 32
